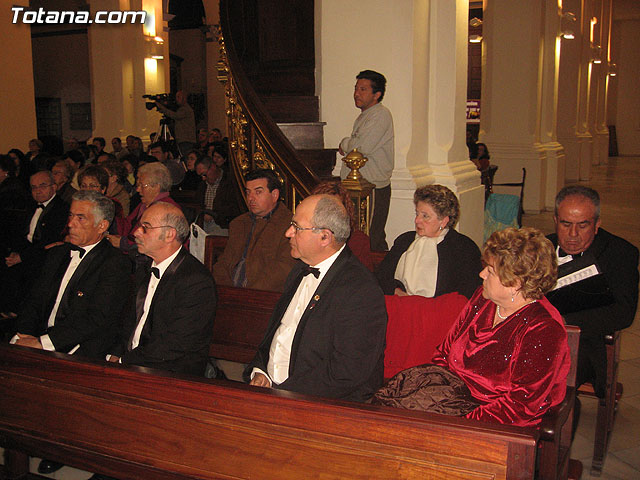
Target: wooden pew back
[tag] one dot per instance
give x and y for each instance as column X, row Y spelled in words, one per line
column 124, row 422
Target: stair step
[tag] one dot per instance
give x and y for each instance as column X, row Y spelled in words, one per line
column 320, row 160
column 292, row 108
column 304, row 135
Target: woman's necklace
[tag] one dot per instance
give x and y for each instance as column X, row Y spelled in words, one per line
column 507, row 316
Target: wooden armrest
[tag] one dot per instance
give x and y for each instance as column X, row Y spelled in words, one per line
column 556, row 417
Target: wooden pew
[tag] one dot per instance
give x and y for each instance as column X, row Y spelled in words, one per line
column 124, row 422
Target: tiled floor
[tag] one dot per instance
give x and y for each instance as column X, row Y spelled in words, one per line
column 619, row 185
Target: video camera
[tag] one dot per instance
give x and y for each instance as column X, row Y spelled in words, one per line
column 167, row 99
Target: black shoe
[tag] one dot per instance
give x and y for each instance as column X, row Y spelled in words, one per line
column 99, row 476
column 48, row 466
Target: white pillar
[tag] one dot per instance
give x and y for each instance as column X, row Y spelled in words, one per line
column 17, row 95
column 601, row 78
column 421, row 47
column 122, row 70
column 519, row 96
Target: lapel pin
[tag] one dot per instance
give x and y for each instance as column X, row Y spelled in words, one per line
column 80, row 294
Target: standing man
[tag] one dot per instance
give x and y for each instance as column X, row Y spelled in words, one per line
column 185, row 122
column 176, row 299
column 597, row 279
column 257, row 253
column 373, row 136
column 327, row 333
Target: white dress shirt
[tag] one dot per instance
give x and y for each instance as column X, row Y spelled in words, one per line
column 151, row 291
column 35, row 218
column 280, row 351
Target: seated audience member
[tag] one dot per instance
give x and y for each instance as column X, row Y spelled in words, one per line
column 99, row 143
column 117, row 178
column 435, row 259
column 202, row 139
column 62, row 174
column 96, row 178
column 215, row 135
column 76, row 304
column 191, row 178
column 257, row 253
column 506, row 357
column 47, row 218
column 35, row 157
column 105, row 157
column 176, row 299
column 118, row 150
column 15, row 203
column 153, row 185
column 130, row 163
column 605, row 299
column 217, row 197
column 482, row 157
column 358, row 240
column 23, row 172
column 160, row 151
column 327, row 333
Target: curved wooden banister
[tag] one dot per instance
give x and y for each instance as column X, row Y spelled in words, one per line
column 255, row 141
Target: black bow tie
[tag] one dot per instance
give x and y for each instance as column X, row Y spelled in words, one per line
column 78, row 249
column 40, row 205
column 311, row 270
column 156, row 272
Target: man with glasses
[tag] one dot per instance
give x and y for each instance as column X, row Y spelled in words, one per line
column 327, row 333
column 257, row 253
column 175, row 301
column 47, row 220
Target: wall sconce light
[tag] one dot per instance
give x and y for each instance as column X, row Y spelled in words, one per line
column 613, row 70
column 596, row 54
column 475, row 38
column 567, row 25
column 154, row 47
column 158, row 40
column 475, row 22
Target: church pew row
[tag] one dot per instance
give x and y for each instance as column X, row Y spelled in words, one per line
column 137, row 423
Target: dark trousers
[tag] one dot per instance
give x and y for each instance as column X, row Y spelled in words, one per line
column 381, row 201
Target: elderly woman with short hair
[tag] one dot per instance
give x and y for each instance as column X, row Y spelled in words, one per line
column 507, row 355
column 434, row 259
column 153, row 184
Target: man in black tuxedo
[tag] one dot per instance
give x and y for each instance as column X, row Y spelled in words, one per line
column 75, row 304
column 171, row 326
column 327, row 333
column 47, row 219
column 602, row 296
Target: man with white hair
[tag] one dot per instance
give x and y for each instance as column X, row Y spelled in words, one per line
column 327, row 333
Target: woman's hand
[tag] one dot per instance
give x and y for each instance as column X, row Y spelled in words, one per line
column 400, row 293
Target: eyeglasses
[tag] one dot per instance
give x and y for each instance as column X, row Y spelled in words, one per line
column 145, row 228
column 298, row 228
column 42, row 186
column 90, row 186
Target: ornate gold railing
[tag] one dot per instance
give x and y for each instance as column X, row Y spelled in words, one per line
column 255, row 141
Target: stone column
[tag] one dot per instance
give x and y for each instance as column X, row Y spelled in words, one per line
column 571, row 72
column 422, row 51
column 601, row 84
column 438, row 152
column 122, row 70
column 519, row 96
column 17, row 95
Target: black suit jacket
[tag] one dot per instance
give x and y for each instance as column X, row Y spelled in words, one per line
column 48, row 230
column 225, row 204
column 91, row 306
column 338, row 347
column 458, row 264
column 177, row 332
column 618, row 260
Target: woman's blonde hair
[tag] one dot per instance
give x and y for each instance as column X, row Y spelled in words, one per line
column 522, row 255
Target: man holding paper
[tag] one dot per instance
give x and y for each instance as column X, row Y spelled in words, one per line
column 597, row 286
